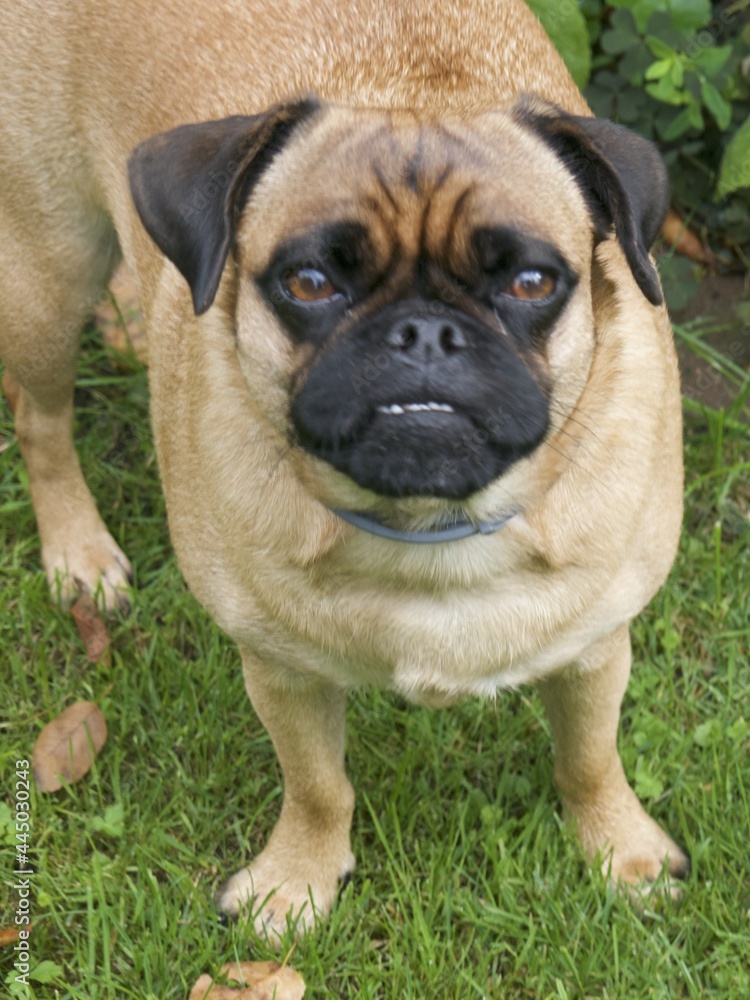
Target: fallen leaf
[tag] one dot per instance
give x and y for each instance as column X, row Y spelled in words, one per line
column 10, row 936
column 683, row 240
column 66, row 747
column 91, row 629
column 256, row 981
column 205, row 989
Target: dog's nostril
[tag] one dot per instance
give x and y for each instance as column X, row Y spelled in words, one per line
column 402, row 337
column 451, row 338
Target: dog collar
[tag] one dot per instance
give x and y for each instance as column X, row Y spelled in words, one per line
column 458, row 529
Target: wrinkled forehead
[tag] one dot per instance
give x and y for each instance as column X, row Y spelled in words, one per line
column 419, row 180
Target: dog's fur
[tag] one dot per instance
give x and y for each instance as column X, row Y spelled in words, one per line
column 389, row 145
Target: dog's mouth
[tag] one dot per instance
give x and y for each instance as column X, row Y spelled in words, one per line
column 413, row 447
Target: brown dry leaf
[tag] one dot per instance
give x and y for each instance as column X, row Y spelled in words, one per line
column 684, row 241
column 256, row 981
column 10, row 936
column 120, row 321
column 64, row 747
column 91, row 629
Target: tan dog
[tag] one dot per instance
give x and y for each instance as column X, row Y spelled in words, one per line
column 415, row 300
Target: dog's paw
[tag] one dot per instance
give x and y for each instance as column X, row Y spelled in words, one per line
column 651, row 864
column 635, row 853
column 95, row 564
column 282, row 891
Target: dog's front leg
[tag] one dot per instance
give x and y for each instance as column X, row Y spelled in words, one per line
column 78, row 552
column 297, row 875
column 583, row 706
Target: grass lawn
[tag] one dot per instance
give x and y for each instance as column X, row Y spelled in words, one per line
column 467, row 883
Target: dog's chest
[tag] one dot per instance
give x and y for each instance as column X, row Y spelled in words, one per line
column 432, row 648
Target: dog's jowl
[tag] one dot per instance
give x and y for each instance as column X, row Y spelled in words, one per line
column 413, row 387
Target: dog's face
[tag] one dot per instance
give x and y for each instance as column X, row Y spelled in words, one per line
column 414, row 303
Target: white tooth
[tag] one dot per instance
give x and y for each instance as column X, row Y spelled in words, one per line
column 433, row 407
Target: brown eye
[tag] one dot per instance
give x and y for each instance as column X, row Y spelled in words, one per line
column 532, row 285
column 309, row 285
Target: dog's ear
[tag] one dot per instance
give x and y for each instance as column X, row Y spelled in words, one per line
column 621, row 175
column 191, row 183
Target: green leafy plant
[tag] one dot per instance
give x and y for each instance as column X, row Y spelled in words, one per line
column 735, row 167
column 678, row 72
column 668, row 84
column 566, row 26
column 111, row 824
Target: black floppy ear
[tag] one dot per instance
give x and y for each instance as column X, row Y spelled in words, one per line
column 190, row 184
column 621, row 175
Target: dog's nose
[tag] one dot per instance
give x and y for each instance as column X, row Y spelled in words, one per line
column 425, row 338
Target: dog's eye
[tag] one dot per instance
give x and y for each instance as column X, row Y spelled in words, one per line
column 531, row 285
column 308, row 285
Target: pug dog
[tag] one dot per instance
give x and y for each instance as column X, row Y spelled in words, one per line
column 413, row 386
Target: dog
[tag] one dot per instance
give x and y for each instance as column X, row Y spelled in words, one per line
column 413, row 387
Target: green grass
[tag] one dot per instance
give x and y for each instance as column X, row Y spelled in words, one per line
column 467, row 883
